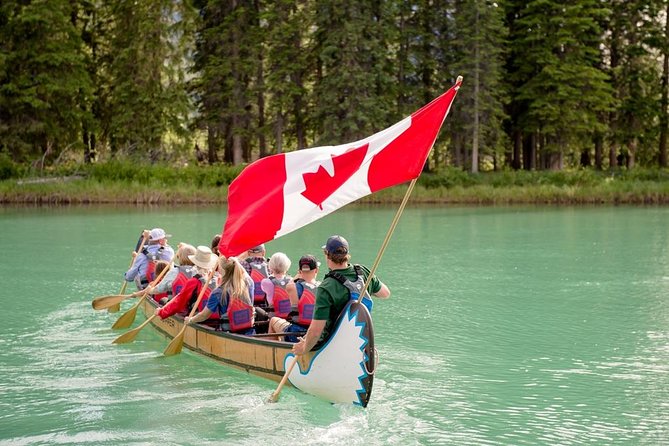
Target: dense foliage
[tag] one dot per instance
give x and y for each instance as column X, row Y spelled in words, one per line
column 547, row 84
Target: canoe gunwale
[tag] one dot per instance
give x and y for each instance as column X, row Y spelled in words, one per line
column 270, row 351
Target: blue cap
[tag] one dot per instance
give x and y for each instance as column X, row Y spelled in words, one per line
column 336, row 245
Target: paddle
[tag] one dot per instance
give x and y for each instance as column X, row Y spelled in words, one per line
column 102, row 302
column 274, row 397
column 177, row 343
column 128, row 317
column 115, row 307
column 130, row 335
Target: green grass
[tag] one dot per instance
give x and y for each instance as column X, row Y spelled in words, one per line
column 118, row 182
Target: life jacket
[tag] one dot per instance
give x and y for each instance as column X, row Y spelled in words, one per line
column 150, row 273
column 240, row 315
column 281, row 301
column 211, row 286
column 354, row 288
column 259, row 272
column 306, row 304
column 185, row 272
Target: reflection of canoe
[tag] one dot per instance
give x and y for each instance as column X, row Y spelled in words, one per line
column 341, row 371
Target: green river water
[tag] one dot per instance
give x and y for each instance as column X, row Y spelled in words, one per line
column 507, row 326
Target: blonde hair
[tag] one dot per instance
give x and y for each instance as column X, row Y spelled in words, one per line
column 183, row 251
column 279, row 263
column 233, row 279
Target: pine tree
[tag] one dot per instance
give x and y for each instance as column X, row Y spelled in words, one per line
column 43, row 80
column 562, row 91
column 353, row 75
column 479, row 39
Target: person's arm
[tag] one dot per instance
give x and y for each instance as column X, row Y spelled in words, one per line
column 291, row 290
column 201, row 316
column 180, row 301
column 140, row 260
column 268, row 287
column 165, row 285
column 307, row 342
column 384, row 291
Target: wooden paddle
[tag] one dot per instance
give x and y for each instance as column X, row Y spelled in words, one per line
column 130, row 335
column 274, row 397
column 128, row 317
column 177, row 343
column 115, row 307
column 102, row 302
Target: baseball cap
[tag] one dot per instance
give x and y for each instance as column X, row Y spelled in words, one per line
column 158, row 234
column 259, row 248
column 336, row 245
column 308, row 263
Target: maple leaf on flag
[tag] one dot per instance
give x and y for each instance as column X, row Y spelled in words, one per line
column 320, row 185
column 280, row 193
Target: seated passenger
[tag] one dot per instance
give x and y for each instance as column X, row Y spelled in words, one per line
column 232, row 300
column 176, row 278
column 281, row 293
column 306, row 285
column 204, row 261
column 256, row 266
column 142, row 271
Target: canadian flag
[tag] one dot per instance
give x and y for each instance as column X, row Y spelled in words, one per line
column 281, row 193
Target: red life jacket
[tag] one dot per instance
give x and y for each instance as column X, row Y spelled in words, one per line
column 185, row 272
column 281, row 301
column 240, row 314
column 211, row 286
column 306, row 304
column 258, row 273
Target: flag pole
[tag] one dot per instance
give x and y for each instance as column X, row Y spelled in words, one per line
column 393, row 224
column 372, row 271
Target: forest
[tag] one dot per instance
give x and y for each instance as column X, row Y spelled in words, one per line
column 548, row 85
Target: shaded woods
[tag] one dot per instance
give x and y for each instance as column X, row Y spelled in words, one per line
column 548, row 85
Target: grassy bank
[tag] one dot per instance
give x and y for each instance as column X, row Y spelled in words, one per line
column 132, row 183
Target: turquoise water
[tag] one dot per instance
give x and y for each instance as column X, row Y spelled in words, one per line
column 507, row 326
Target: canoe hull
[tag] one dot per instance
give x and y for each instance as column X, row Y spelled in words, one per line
column 257, row 356
column 341, row 371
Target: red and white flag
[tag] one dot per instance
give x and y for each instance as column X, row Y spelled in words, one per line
column 281, row 193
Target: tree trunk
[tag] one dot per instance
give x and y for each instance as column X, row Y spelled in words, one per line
column 475, row 136
column 664, row 118
column 599, row 151
column 517, row 149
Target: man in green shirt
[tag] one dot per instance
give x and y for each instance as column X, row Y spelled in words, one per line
column 332, row 296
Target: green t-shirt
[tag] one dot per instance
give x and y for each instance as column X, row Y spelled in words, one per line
column 332, row 296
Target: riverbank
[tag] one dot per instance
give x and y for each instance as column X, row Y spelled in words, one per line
column 128, row 184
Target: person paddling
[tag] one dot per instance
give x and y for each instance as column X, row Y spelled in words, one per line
column 205, row 261
column 332, row 295
column 142, row 270
column 231, row 301
column 176, row 278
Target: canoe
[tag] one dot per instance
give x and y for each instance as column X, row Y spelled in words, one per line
column 340, row 371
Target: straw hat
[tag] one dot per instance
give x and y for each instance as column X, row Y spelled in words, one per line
column 204, row 258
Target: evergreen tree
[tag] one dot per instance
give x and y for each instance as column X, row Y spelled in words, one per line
column 635, row 80
column 147, row 96
column 43, row 80
column 568, row 92
column 478, row 43
column 289, row 64
column 353, row 73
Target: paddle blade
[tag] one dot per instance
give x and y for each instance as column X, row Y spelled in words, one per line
column 102, row 302
column 128, row 336
column 126, row 318
column 116, row 306
column 174, row 348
